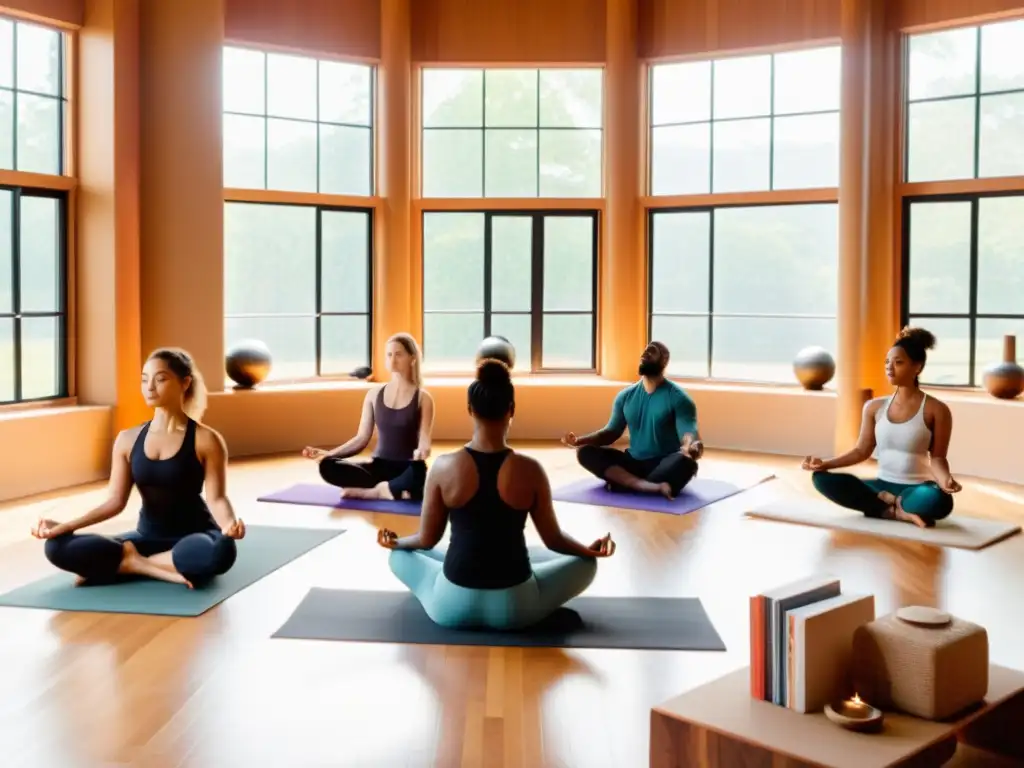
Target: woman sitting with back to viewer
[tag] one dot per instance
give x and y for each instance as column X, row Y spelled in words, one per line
column 911, row 431
column 180, row 537
column 486, row 577
column 403, row 413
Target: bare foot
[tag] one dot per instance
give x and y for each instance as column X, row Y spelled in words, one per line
column 134, row 563
column 665, row 490
column 907, row 517
column 888, row 498
column 360, row 493
column 81, row 581
column 384, row 492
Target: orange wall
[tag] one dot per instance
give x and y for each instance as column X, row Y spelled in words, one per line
column 328, row 27
column 911, row 14
column 504, row 31
column 63, row 12
column 673, row 28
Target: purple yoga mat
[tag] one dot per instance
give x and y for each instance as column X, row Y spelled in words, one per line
column 323, row 495
column 699, row 493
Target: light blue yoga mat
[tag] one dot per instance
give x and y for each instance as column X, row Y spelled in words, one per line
column 263, row 550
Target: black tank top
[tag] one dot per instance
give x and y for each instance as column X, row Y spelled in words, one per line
column 172, row 506
column 398, row 429
column 488, row 543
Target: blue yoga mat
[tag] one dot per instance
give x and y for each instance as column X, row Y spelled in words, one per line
column 324, row 495
column 263, row 550
column 699, row 493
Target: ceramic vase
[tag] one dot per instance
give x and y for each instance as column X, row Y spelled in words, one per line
column 1005, row 380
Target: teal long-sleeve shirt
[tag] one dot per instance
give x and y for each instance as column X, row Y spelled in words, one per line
column 657, row 420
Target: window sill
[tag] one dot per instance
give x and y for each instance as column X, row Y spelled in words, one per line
column 542, row 380
column 37, row 407
column 46, row 408
column 968, row 395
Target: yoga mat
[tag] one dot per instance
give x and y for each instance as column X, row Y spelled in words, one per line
column 957, row 531
column 699, row 493
column 643, row 623
column 263, row 550
column 324, row 495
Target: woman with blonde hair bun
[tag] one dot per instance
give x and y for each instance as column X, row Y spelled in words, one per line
column 403, row 414
column 180, row 537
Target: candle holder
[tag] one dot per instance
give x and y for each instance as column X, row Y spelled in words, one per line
column 853, row 714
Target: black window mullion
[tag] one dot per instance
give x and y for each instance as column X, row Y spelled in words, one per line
column 595, row 265
column 711, row 289
column 537, row 294
column 977, row 124
column 488, row 270
column 973, row 291
column 62, row 293
column 370, row 242
column 771, row 123
column 16, row 286
column 318, row 292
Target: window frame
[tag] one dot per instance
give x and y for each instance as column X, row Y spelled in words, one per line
column 536, row 311
column 60, row 186
column 977, row 94
column 422, row 129
column 319, row 314
column 63, row 282
column 266, row 189
column 771, row 116
column 972, row 315
column 711, row 314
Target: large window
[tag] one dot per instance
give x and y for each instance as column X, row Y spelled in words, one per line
column 736, row 292
column 32, row 98
column 33, row 221
column 528, row 276
column 298, row 277
column 965, row 111
column 964, row 267
column 297, row 124
column 746, row 124
column 512, row 133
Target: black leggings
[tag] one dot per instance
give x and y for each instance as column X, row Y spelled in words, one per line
column 676, row 469
column 405, row 479
column 198, row 556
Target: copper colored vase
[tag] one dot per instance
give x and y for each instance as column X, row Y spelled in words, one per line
column 1005, row 380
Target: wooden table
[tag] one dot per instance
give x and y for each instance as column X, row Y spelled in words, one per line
column 719, row 724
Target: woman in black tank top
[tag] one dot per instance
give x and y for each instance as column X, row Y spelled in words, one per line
column 403, row 413
column 180, row 537
column 488, row 577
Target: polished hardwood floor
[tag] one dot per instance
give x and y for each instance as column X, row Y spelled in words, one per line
column 79, row 690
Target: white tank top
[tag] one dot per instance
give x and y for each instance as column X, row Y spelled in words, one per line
column 902, row 449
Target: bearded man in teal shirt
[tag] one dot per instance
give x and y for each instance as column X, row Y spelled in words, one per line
column 664, row 442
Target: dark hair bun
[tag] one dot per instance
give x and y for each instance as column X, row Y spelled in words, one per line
column 919, row 337
column 493, row 373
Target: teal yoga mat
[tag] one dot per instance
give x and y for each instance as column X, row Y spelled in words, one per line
column 263, row 550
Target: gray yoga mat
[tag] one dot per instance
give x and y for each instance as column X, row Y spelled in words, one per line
column 643, row 623
column 263, row 550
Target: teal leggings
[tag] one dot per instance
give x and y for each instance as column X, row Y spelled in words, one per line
column 926, row 500
column 556, row 580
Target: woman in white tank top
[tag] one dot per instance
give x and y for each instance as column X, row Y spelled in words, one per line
column 909, row 433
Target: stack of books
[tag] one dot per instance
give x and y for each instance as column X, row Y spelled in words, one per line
column 801, row 642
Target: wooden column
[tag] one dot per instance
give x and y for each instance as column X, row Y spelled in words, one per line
column 394, row 304
column 182, row 191
column 853, row 207
column 623, row 308
column 884, row 153
column 109, row 330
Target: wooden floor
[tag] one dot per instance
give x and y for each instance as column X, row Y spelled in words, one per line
column 84, row 690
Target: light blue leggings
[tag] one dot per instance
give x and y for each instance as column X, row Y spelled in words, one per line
column 556, row 580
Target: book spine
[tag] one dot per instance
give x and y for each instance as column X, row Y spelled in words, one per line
column 757, row 647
